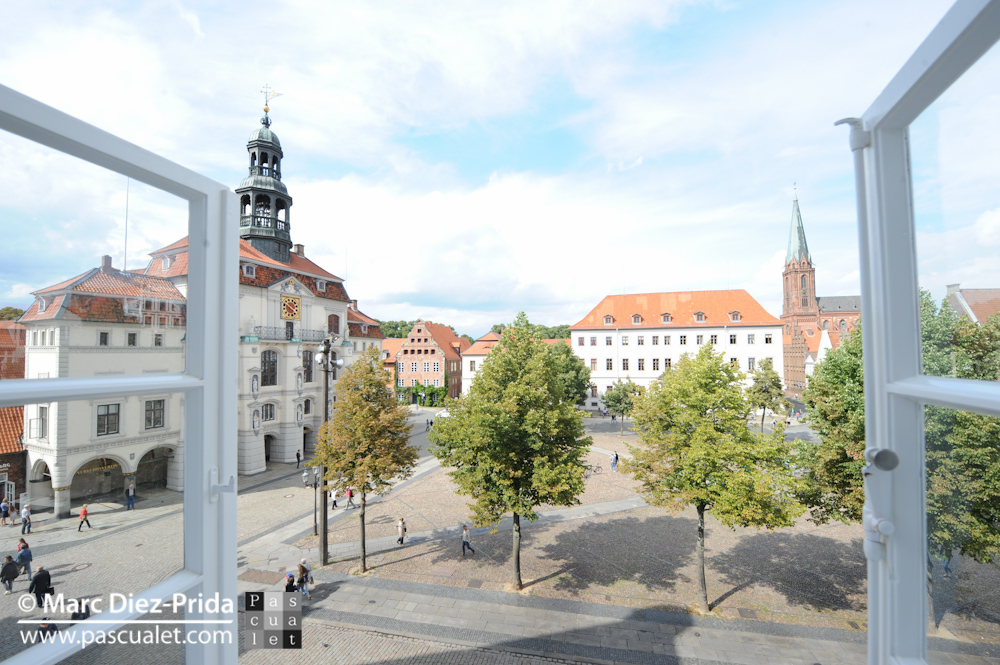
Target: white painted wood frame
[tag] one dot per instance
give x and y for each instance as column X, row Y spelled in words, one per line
column 895, row 389
column 208, row 384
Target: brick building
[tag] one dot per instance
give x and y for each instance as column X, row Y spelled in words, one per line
column 431, row 355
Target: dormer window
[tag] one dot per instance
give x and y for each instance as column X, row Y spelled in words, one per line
column 699, row 316
column 320, row 285
column 636, row 319
column 666, row 318
column 608, row 320
column 734, row 317
column 249, row 271
column 364, row 330
column 167, row 262
column 42, row 304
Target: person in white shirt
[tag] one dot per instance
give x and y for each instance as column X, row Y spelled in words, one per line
column 466, row 540
column 25, row 519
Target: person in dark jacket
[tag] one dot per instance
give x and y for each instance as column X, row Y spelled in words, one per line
column 24, row 560
column 8, row 574
column 40, row 585
column 290, row 583
column 83, row 611
column 46, row 628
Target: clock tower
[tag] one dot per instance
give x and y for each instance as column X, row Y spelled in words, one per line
column 264, row 199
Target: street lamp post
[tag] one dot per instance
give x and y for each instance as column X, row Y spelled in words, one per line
column 313, row 480
column 324, row 358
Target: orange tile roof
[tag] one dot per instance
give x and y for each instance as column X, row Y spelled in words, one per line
column 393, row 345
column 682, row 306
column 480, row 348
column 52, row 310
column 556, row 341
column 361, row 317
column 117, row 283
column 452, row 345
column 11, row 428
column 984, row 303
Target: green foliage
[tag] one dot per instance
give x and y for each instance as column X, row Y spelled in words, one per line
column 515, row 441
column 365, row 445
column 621, row 398
column 835, row 400
column 697, row 449
column 10, row 313
column 767, row 391
column 574, row 375
column 426, row 395
column 397, row 329
column 471, row 341
column 539, row 331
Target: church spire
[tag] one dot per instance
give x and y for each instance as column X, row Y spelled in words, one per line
column 798, row 250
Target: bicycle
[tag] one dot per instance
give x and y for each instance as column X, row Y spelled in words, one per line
column 591, row 469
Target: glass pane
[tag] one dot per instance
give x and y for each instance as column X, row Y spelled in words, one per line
column 953, row 148
column 97, row 496
column 963, row 524
column 100, row 271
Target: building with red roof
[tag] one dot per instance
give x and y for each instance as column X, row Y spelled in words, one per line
column 431, row 355
column 639, row 336
column 975, row 304
column 12, row 341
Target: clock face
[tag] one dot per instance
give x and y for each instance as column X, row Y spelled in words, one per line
column 289, row 307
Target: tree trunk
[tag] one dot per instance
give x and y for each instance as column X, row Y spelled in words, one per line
column 621, row 420
column 364, row 562
column 700, row 561
column 517, row 552
column 762, row 416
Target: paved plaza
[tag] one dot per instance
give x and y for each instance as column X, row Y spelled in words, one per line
column 610, row 580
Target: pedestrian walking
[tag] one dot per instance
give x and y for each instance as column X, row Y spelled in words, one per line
column 333, row 497
column 350, row 498
column 614, row 461
column 427, row 424
column 41, row 585
column 290, row 583
column 130, row 497
column 466, row 540
column 83, row 518
column 4, row 512
column 24, row 560
column 401, row 530
column 432, row 423
column 612, row 417
column 8, row 574
column 298, row 458
column 26, row 519
column 21, row 544
column 305, row 578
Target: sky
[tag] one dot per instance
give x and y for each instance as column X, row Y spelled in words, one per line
column 462, row 162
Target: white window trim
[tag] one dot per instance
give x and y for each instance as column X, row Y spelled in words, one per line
column 166, row 412
column 895, row 389
column 209, row 395
column 121, row 420
column 249, row 271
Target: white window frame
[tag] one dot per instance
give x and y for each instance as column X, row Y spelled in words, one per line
column 273, row 409
column 895, row 389
column 209, row 394
column 166, row 411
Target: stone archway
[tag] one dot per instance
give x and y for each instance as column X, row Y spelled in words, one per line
column 153, row 470
column 268, row 445
column 97, row 479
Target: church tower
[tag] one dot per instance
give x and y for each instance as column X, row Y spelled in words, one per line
column 799, row 277
column 264, row 200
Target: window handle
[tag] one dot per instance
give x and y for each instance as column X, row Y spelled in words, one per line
column 215, row 489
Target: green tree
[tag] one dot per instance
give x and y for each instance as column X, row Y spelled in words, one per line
column 396, row 329
column 515, row 441
column 574, row 376
column 498, row 328
column 10, row 313
column 365, row 445
column 697, row 449
column 621, row 399
column 766, row 391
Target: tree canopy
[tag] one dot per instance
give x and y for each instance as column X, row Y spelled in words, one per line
column 10, row 313
column 396, row 329
column 621, row 398
column 766, row 391
column 539, row 331
column 515, row 441
column 697, row 449
column 573, row 373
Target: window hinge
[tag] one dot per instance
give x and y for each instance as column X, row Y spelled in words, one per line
column 214, row 489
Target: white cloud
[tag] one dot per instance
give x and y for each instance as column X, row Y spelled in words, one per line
column 19, row 292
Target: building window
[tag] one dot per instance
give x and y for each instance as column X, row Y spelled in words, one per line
column 38, row 428
column 157, row 339
column 684, row 339
column 641, row 340
column 593, row 364
column 767, row 338
column 750, row 338
column 593, row 391
column 307, row 407
column 608, row 341
column 734, row 361
column 805, row 291
column 642, row 364
column 400, row 367
column 750, row 364
column 734, row 316
column 34, row 338
column 699, row 340
column 609, row 364
column 269, row 368
column 624, row 340
column 843, row 326
column 333, row 323
column 437, row 367
column 636, row 319
column 413, row 367
column 154, row 413
column 656, row 364
column 713, row 339
column 666, row 339
column 103, row 339
column 472, row 365
column 593, row 341
column 267, row 412
column 427, row 367
column 133, row 339
column 732, row 339
column 427, row 382
column 320, row 285
column 608, row 320
column 249, row 271
column 401, row 382
column 579, row 341
column 666, row 363
column 307, row 366
column 43, row 338
column 107, row 419
column 624, row 364
column 437, row 382
column 665, row 318
column 656, row 340
column 699, row 317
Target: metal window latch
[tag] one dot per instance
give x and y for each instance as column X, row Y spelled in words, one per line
column 877, row 527
column 214, row 489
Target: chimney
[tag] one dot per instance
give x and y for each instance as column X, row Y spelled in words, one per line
column 953, row 288
column 354, row 305
column 300, row 250
column 106, row 264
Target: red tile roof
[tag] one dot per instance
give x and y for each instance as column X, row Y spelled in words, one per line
column 296, row 264
column 480, row 348
column 393, row 345
column 550, row 342
column 984, row 303
column 451, row 344
column 11, row 428
column 52, row 310
column 682, row 306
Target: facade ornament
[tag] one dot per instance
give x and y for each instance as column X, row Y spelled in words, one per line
column 298, row 382
column 255, row 385
column 253, row 324
column 298, row 413
column 256, row 421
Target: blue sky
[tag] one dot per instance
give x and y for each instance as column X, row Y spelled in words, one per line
column 463, row 162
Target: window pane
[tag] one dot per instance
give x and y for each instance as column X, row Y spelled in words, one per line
column 953, row 148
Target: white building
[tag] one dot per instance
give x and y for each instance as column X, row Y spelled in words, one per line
column 473, row 357
column 103, row 322
column 639, row 336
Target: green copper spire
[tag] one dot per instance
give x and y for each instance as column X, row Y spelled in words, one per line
column 798, row 250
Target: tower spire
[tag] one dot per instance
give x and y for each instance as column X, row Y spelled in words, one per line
column 798, row 250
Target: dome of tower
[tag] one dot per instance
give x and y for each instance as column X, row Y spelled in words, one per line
column 263, row 182
column 265, row 135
